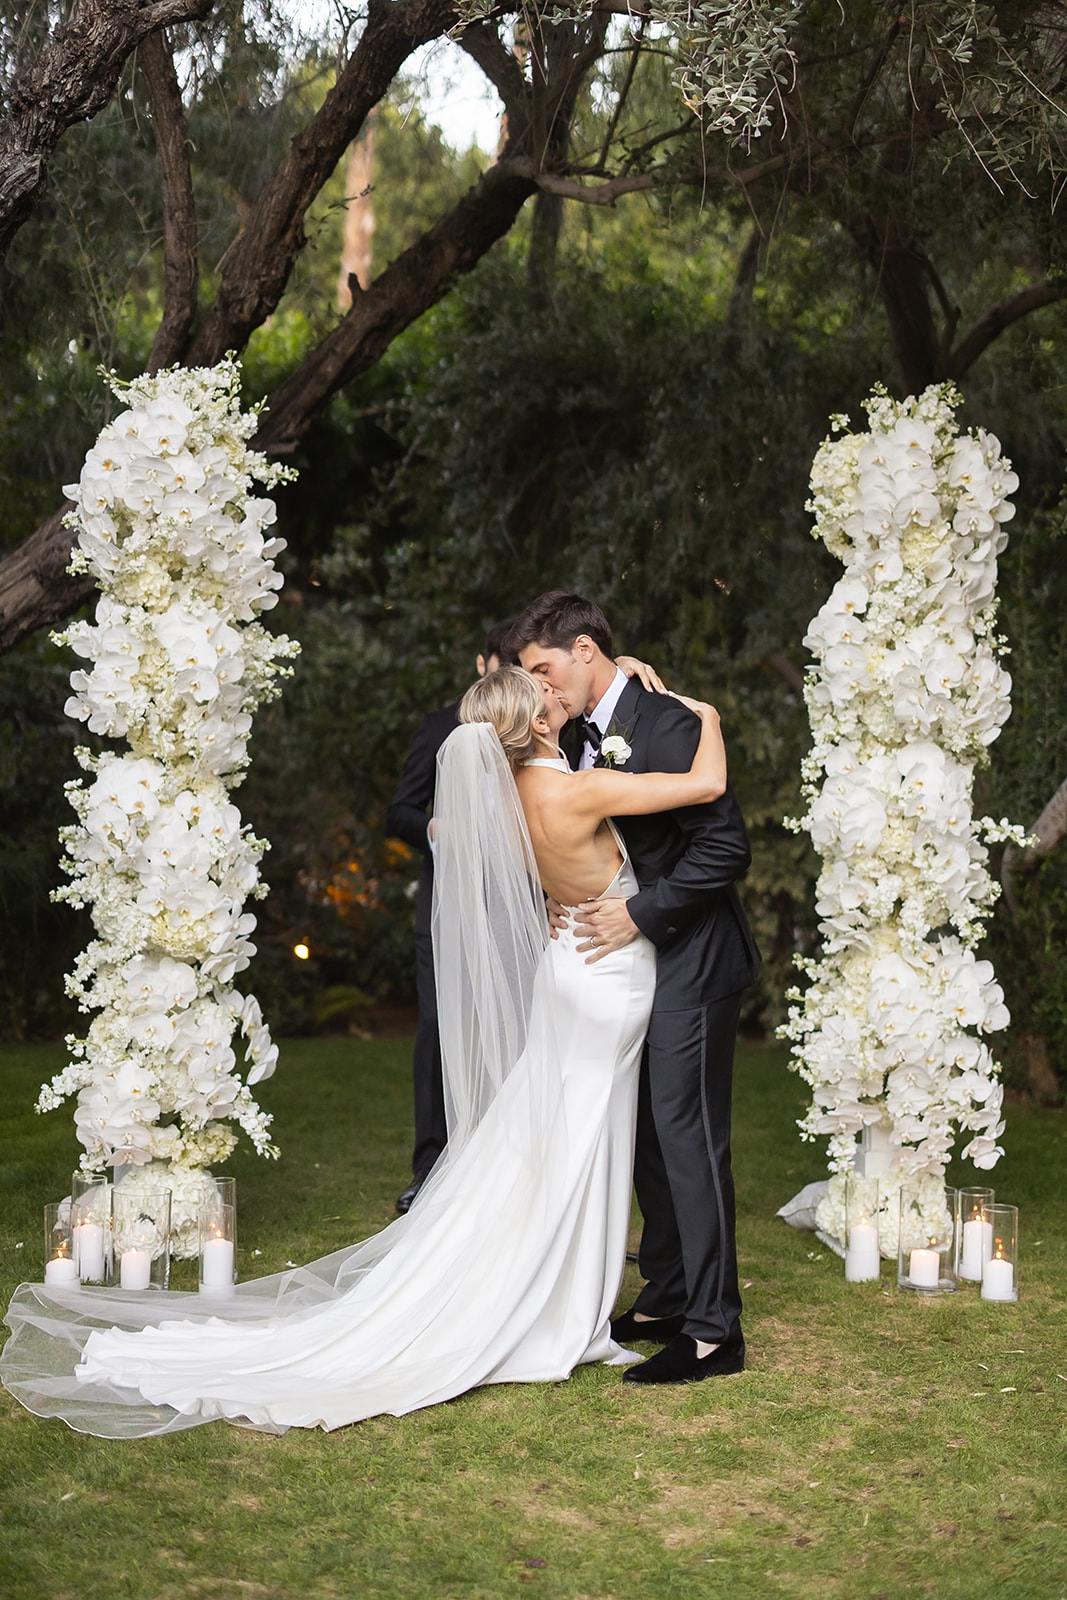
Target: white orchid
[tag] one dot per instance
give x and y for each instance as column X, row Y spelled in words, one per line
column 905, row 696
column 168, row 527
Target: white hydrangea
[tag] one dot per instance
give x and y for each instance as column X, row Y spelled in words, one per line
column 906, row 694
column 178, row 662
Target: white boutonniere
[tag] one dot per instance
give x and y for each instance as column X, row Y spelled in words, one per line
column 614, row 750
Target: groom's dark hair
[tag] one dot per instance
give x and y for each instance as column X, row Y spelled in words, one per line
column 555, row 620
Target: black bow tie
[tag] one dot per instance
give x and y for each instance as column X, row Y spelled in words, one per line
column 589, row 732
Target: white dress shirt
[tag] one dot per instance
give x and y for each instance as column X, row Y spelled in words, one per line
column 602, row 714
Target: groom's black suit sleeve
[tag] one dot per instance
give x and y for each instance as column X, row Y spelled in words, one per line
column 687, row 862
column 710, row 843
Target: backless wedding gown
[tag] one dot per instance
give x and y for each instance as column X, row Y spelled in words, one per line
column 506, row 1268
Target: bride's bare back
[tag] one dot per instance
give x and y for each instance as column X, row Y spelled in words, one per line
column 577, row 855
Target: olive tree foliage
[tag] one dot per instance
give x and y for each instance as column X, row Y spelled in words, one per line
column 848, row 108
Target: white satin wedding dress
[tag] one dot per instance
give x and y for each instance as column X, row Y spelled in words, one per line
column 506, row 1268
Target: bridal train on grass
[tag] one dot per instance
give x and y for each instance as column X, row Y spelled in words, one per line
column 507, row 1266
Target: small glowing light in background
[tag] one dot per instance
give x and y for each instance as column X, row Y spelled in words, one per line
column 301, row 952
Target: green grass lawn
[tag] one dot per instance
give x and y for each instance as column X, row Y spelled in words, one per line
column 878, row 1445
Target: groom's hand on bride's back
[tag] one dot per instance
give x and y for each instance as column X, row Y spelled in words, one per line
column 603, row 926
column 558, row 916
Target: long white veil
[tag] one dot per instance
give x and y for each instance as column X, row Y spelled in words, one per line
column 489, row 924
column 490, row 932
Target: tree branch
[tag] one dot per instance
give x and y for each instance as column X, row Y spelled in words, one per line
column 871, row 76
column 181, row 267
column 638, row 152
column 486, row 48
column 624, row 93
column 993, row 322
column 35, row 588
column 412, row 283
column 788, row 161
column 70, row 80
column 788, row 671
column 572, row 68
column 261, row 259
column 1048, row 830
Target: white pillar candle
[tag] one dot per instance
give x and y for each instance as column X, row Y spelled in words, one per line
column 862, row 1258
column 217, row 1270
column 61, row 1269
column 977, row 1248
column 924, row 1268
column 135, row 1269
column 998, row 1279
column 89, row 1251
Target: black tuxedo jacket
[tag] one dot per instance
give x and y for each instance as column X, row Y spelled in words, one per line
column 409, row 813
column 687, row 861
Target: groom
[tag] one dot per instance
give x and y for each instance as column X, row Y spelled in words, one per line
column 687, row 863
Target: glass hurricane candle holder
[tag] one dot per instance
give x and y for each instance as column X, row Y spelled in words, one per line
column 90, row 1205
column 925, row 1244
column 1000, row 1273
column 141, row 1238
column 226, row 1189
column 218, row 1249
column 60, row 1268
column 863, row 1259
column 974, row 1232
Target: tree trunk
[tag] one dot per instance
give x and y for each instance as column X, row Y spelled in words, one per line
column 545, row 228
column 181, row 259
column 357, row 240
column 903, row 279
column 36, row 590
column 70, row 80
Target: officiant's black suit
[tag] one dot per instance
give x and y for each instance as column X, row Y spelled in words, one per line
column 407, row 819
column 687, row 863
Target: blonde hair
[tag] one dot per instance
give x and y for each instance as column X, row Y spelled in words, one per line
column 510, row 699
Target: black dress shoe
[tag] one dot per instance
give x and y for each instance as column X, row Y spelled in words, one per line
column 625, row 1329
column 403, row 1203
column 678, row 1362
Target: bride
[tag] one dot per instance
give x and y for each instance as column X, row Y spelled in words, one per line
column 506, row 1268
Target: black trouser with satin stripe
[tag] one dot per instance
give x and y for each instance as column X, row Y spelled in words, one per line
column 431, row 1133
column 682, row 1170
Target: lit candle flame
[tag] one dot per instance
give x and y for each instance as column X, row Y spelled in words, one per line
column 301, row 952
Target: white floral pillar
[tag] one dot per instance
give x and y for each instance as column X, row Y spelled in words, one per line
column 905, row 697
column 176, row 541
